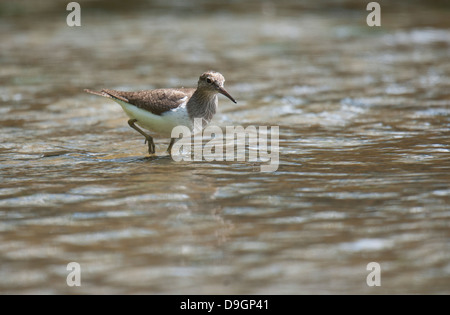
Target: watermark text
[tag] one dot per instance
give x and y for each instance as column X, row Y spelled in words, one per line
column 74, row 17
column 229, row 147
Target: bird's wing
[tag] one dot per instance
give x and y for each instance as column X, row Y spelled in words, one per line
column 155, row 101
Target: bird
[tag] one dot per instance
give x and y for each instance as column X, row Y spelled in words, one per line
column 160, row 110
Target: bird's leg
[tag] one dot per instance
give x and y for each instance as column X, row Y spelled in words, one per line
column 169, row 149
column 149, row 139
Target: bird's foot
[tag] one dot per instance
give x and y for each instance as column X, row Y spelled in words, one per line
column 151, row 146
column 169, row 149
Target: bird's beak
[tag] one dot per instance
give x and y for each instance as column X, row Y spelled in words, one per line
column 224, row 92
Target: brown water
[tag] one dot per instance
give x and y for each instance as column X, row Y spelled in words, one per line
column 364, row 170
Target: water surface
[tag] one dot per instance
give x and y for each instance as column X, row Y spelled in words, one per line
column 364, row 173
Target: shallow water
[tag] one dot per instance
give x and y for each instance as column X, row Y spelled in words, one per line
column 364, row 173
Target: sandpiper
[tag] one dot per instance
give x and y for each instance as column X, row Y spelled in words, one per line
column 160, row 110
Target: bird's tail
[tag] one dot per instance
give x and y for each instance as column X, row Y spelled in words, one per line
column 108, row 93
column 101, row 93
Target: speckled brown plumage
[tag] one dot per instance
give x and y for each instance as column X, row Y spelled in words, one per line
column 155, row 101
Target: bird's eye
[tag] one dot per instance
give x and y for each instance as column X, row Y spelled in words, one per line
column 208, row 81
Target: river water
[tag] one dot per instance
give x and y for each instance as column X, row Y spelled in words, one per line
column 364, row 163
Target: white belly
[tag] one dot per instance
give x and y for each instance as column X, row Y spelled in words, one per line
column 161, row 125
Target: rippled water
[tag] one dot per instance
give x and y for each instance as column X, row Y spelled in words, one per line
column 364, row 173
